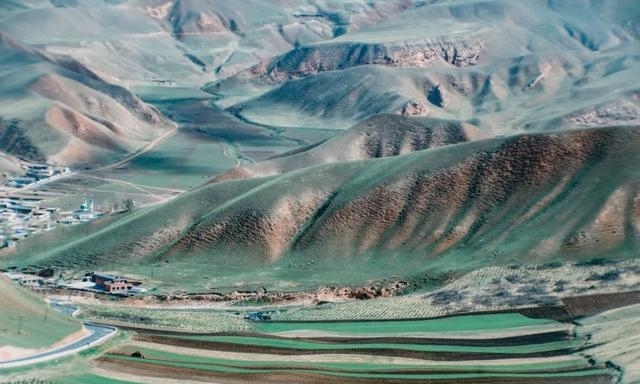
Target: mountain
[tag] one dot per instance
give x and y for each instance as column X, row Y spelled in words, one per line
column 551, row 67
column 73, row 71
column 447, row 131
column 299, row 66
column 57, row 110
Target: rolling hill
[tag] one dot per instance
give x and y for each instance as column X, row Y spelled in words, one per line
column 455, row 207
column 378, row 136
column 72, row 68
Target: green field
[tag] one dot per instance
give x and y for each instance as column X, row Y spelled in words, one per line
column 573, row 368
column 182, row 161
column 160, row 355
column 296, row 344
column 530, row 355
column 449, row 324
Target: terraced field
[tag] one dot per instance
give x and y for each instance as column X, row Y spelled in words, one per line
column 493, row 348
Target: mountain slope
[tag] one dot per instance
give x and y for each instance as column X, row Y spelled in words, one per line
column 56, row 110
column 23, row 319
column 379, row 136
column 440, row 209
column 552, row 68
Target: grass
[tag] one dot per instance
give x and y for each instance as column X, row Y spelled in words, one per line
column 458, row 323
column 330, row 370
column 90, row 379
column 27, row 322
column 157, row 354
column 317, row 346
column 182, row 161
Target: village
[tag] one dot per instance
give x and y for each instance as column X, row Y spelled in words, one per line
column 22, row 216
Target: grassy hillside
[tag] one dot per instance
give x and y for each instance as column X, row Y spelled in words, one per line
column 23, row 322
column 456, row 207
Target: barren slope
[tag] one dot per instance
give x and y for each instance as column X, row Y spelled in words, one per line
column 56, row 110
column 379, row 136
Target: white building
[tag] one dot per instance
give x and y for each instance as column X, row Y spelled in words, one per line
column 86, row 211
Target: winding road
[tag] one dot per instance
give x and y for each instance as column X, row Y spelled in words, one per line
column 97, row 335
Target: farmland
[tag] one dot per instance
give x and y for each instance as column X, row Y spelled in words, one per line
column 491, row 348
column 486, row 289
column 185, row 320
column 206, row 344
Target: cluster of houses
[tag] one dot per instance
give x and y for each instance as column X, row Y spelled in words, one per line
column 20, row 218
column 37, row 172
column 31, row 280
column 21, row 215
column 94, row 282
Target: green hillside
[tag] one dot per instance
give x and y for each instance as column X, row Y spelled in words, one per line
column 451, row 208
column 25, row 320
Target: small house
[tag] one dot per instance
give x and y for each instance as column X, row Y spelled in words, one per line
column 31, row 280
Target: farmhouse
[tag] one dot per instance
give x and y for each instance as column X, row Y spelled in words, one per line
column 30, row 280
column 113, row 283
column 20, row 182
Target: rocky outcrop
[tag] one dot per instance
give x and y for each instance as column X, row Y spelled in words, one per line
column 618, row 112
column 414, row 107
column 309, row 60
column 319, row 296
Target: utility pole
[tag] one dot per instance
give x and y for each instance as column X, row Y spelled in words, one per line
column 19, row 324
column 46, row 308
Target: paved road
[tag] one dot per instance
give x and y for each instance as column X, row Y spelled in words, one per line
column 98, row 333
column 64, row 308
